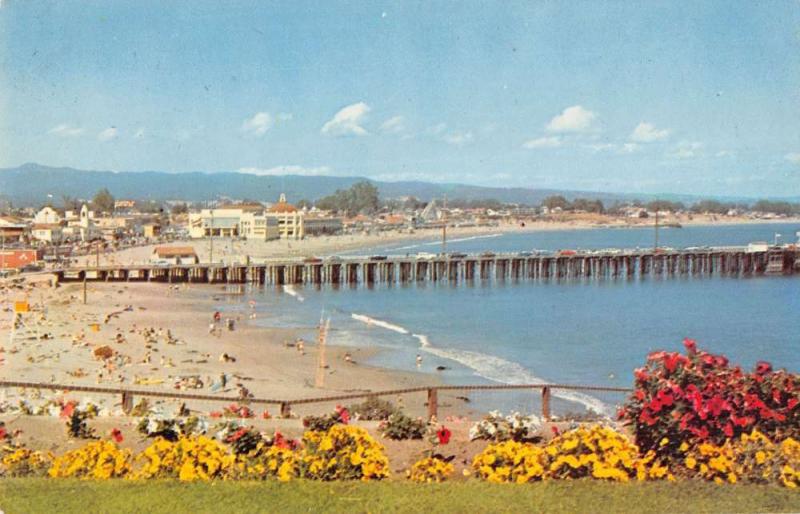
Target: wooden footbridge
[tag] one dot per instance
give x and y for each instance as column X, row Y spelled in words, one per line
column 718, row 261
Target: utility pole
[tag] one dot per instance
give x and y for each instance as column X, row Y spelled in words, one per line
column 444, row 225
column 211, row 239
column 84, row 289
column 97, row 255
column 655, row 247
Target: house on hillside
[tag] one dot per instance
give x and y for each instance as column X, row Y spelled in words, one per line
column 174, row 255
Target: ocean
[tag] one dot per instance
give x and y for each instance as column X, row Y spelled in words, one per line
column 576, row 332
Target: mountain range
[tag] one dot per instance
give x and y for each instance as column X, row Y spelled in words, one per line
column 35, row 184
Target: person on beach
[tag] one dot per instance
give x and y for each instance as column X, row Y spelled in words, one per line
column 301, row 346
column 419, row 360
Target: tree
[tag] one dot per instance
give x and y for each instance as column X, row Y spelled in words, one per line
column 70, row 203
column 557, row 201
column 665, row 205
column 180, row 208
column 584, row 204
column 103, row 201
column 361, row 197
column 303, row 204
column 710, row 207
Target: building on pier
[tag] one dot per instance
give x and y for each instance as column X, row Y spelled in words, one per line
column 174, row 255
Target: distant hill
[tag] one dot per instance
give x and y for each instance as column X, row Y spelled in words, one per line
column 30, row 184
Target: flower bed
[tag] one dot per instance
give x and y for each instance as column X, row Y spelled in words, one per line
column 699, row 397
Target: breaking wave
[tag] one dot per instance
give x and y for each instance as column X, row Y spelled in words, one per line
column 490, row 367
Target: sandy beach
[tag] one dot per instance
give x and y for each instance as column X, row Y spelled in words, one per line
column 160, row 336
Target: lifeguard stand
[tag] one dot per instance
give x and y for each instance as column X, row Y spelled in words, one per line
column 22, row 321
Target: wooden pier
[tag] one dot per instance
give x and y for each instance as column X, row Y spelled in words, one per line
column 455, row 268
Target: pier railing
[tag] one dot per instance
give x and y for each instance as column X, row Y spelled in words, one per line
column 454, row 268
column 544, row 393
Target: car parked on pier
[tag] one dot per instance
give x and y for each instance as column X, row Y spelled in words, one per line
column 378, row 258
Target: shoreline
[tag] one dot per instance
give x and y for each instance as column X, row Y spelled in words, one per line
column 232, row 250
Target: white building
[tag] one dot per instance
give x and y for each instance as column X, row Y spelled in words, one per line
column 47, row 216
column 281, row 220
column 81, row 225
column 47, row 232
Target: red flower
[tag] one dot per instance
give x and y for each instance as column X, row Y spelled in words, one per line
column 236, row 435
column 691, row 345
column 266, row 415
column 281, row 441
column 792, row 403
column 344, row 414
column 728, row 430
column 443, row 434
column 555, row 430
column 763, row 367
column 68, row 409
column 671, row 361
column 116, row 435
column 215, row 414
column 3, row 433
column 641, row 374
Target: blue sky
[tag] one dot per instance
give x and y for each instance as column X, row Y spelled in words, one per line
column 662, row 97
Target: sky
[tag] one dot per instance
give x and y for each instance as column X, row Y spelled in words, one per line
column 653, row 97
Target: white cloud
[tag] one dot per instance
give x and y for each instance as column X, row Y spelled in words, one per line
column 287, row 170
column 572, row 119
column 687, row 150
column 621, row 149
column 285, row 116
column 724, row 153
column 258, row 125
column 543, row 142
column 347, row 122
column 65, row 130
column 647, row 133
column 793, row 157
column 107, row 134
column 458, row 138
column 394, row 125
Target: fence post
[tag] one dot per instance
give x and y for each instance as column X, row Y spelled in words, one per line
column 433, row 402
column 286, row 410
column 546, row 403
column 127, row 402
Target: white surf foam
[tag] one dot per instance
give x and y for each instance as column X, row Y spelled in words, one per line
column 290, row 290
column 503, row 371
column 489, row 367
column 437, row 243
column 379, row 323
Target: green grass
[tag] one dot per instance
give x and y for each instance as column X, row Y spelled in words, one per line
column 64, row 496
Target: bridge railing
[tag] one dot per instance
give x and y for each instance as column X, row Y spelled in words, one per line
column 544, row 393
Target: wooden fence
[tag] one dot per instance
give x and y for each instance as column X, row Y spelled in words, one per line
column 127, row 395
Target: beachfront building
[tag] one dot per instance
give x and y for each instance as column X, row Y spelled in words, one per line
column 47, row 232
column 282, row 220
column 289, row 218
column 81, row 225
column 315, row 225
column 221, row 221
column 258, row 227
column 12, row 228
column 174, row 255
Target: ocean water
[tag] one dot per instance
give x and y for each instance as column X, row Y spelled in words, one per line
column 577, row 332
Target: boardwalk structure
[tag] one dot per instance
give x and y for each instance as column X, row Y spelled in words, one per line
column 454, row 268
